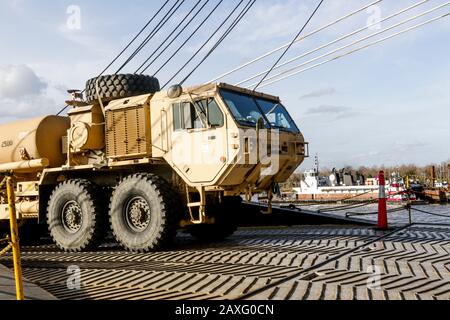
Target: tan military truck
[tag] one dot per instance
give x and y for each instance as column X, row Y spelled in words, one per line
column 145, row 163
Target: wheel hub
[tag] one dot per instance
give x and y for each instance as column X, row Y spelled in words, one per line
column 138, row 214
column 72, row 217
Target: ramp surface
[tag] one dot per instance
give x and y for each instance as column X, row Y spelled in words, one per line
column 285, row 263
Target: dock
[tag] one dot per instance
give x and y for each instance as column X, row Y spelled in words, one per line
column 331, row 258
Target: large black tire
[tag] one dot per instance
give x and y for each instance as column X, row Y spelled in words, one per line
column 225, row 216
column 142, row 213
column 75, row 216
column 112, row 87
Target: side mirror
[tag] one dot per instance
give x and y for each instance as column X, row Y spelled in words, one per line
column 175, row 91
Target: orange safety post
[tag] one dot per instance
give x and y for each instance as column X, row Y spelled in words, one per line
column 382, row 203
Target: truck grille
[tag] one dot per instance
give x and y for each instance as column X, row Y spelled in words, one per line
column 126, row 133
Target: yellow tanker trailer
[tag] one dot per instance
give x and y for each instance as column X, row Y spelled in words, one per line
column 144, row 163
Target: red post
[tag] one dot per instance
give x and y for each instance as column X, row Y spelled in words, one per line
column 382, row 204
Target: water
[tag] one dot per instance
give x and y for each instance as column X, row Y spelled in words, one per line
column 399, row 218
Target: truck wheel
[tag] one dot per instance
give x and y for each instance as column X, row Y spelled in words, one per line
column 142, row 215
column 111, row 87
column 225, row 224
column 74, row 216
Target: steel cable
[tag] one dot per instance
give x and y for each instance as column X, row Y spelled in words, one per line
column 341, row 200
column 367, row 27
column 172, row 33
column 176, row 6
column 224, row 36
column 443, row 215
column 356, row 214
column 204, row 44
column 297, row 40
column 135, row 38
column 354, row 206
column 268, row 82
column 348, row 207
column 277, row 283
column 125, row 48
column 187, row 40
column 290, row 45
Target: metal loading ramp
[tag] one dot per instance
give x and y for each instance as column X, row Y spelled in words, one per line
column 306, row 262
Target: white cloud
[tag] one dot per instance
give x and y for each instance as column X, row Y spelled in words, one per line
column 326, row 109
column 319, row 93
column 27, row 107
column 19, row 81
column 330, row 112
column 23, row 94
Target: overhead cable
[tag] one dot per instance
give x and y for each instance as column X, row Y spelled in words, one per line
column 176, row 6
column 290, row 45
column 135, row 38
column 187, row 40
column 336, row 41
column 172, row 33
column 358, row 41
column 297, row 40
column 222, row 38
column 126, row 47
column 356, row 50
column 204, row 44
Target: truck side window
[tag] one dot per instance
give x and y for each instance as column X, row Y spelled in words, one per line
column 182, row 116
column 215, row 115
column 177, row 117
column 188, row 121
column 186, row 117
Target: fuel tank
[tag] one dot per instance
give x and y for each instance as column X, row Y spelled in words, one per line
column 39, row 138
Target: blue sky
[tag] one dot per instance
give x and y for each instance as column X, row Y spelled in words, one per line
column 389, row 104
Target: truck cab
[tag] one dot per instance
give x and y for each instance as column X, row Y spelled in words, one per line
column 221, row 135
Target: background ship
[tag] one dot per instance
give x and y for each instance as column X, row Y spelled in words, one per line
column 349, row 185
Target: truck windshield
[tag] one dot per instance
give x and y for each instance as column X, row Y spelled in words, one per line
column 247, row 110
column 277, row 115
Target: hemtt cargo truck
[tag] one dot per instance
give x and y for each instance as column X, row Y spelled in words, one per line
column 144, row 163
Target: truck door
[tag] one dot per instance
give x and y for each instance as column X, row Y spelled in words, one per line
column 199, row 140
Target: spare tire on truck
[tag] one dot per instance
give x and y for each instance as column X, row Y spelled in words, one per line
column 119, row 86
